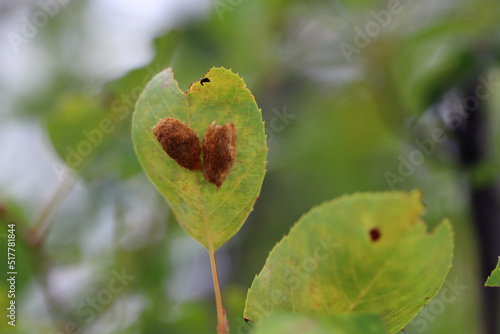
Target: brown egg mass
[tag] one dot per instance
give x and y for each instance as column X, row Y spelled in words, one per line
column 219, row 152
column 180, row 142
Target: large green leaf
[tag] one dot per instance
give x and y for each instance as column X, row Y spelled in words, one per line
column 333, row 324
column 364, row 253
column 208, row 215
column 494, row 279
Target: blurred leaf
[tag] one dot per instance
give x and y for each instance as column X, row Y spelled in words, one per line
column 234, row 302
column 333, row 324
column 186, row 318
column 360, row 253
column 208, row 215
column 90, row 138
column 494, row 279
column 74, row 116
column 4, row 304
column 12, row 213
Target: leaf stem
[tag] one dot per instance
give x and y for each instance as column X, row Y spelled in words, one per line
column 221, row 326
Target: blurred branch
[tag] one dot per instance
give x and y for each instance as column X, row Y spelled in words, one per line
column 35, row 238
column 471, row 140
column 38, row 231
column 485, row 205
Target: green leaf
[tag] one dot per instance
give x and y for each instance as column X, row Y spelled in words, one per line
column 494, row 279
column 209, row 216
column 359, row 253
column 333, row 324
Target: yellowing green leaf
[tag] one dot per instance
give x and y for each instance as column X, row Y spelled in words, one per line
column 361, row 253
column 494, row 279
column 208, row 215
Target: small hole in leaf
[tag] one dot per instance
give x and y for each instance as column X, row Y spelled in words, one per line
column 375, row 234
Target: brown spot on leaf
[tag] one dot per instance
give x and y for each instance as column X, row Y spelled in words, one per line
column 219, row 152
column 426, row 298
column 375, row 234
column 180, row 142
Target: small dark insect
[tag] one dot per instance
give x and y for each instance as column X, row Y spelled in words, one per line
column 204, row 80
column 374, row 234
column 180, row 142
column 219, row 152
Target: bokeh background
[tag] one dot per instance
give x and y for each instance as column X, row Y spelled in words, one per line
column 347, row 89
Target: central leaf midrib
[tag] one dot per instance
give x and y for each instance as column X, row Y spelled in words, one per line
column 369, row 286
column 376, row 277
column 210, row 242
